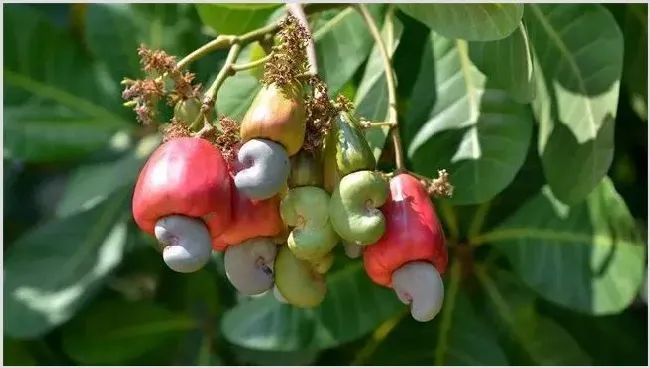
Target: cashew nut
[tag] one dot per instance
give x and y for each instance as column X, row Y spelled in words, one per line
column 266, row 169
column 186, row 242
column 249, row 265
column 420, row 285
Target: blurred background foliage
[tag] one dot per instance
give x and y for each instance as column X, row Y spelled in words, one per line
column 544, row 133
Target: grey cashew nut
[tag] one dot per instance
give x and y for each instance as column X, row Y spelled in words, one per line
column 266, row 169
column 186, row 242
column 420, row 285
column 278, row 295
column 352, row 250
column 249, row 265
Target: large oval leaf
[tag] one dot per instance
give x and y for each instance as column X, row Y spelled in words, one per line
column 235, row 19
column 508, row 62
column 474, row 22
column 543, row 340
column 353, row 307
column 133, row 329
column 54, row 106
column 589, row 257
column 92, row 184
column 342, row 45
column 457, row 336
column 474, row 130
column 577, row 70
column 51, row 271
column 168, row 27
column 371, row 101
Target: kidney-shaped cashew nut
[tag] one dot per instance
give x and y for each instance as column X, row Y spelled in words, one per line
column 186, row 242
column 419, row 284
column 266, row 169
column 249, row 265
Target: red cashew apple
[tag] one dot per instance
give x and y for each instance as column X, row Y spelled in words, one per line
column 250, row 218
column 412, row 254
column 248, row 242
column 183, row 197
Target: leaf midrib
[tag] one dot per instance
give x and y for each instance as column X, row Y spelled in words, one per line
column 566, row 54
column 542, row 235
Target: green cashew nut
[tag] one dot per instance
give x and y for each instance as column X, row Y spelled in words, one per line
column 297, row 282
column 354, row 206
column 306, row 209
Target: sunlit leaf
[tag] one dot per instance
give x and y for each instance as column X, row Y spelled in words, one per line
column 474, row 130
column 578, row 68
column 589, row 257
column 52, row 270
column 474, row 22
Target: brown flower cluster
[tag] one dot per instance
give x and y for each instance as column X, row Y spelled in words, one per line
column 289, row 58
column 175, row 130
column 145, row 94
column 227, row 138
column 320, row 112
column 440, row 186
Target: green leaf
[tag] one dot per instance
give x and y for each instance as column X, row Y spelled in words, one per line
column 16, row 353
column 473, row 22
column 235, row 18
column 589, row 257
column 236, row 95
column 372, row 95
column 544, row 341
column 53, row 270
column 343, row 44
column 55, row 108
column 133, row 329
column 37, row 133
column 353, row 307
column 508, row 62
column 610, row 340
column 92, row 184
column 577, row 80
column 635, row 73
column 475, row 130
column 272, row 358
column 457, row 336
column 168, row 27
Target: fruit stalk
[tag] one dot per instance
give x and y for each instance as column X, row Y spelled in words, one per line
column 390, row 82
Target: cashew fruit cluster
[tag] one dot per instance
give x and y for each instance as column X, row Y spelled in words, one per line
column 277, row 210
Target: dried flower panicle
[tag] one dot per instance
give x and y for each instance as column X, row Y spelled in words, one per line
column 175, row 129
column 146, row 93
column 320, row 112
column 227, row 139
column 342, row 103
column 440, row 186
column 289, row 58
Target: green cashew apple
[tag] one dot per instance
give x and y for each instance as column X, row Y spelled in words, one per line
column 346, row 151
column 187, row 111
column 306, row 209
column 306, row 170
column 354, row 207
column 297, row 282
